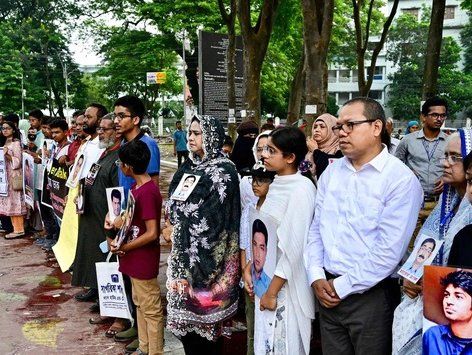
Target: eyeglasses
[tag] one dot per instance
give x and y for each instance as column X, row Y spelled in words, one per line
column 348, row 126
column 436, row 115
column 120, row 116
column 101, row 129
column 451, row 159
column 269, row 150
column 259, row 181
column 6, row 128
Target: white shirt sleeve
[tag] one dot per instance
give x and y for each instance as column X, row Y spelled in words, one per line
column 313, row 255
column 397, row 223
column 244, row 230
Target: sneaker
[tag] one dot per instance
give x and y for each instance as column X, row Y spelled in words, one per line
column 40, row 241
column 14, row 235
column 126, row 335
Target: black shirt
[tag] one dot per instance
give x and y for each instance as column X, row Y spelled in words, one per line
column 321, row 160
column 461, row 250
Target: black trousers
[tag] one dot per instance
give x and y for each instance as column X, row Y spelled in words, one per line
column 129, row 297
column 182, row 156
column 361, row 323
column 194, row 344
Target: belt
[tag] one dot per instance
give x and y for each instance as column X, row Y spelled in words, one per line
column 385, row 283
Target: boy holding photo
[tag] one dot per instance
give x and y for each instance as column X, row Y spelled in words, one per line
column 139, row 254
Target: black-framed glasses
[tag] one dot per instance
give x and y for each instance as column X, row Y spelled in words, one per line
column 349, row 126
column 6, row 128
column 436, row 115
column 120, row 116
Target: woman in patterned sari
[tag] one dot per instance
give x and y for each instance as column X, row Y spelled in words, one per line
column 451, row 214
column 203, row 267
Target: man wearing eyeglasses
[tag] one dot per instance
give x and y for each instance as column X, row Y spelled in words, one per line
column 367, row 205
column 422, row 150
column 129, row 114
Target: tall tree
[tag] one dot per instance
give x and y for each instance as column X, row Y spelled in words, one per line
column 255, row 42
column 362, row 42
column 317, row 27
column 433, row 49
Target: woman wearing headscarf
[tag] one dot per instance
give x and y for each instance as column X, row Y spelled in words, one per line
column 241, row 155
column 451, row 214
column 412, row 126
column 203, row 266
column 323, row 145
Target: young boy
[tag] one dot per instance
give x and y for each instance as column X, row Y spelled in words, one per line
column 261, row 180
column 139, row 254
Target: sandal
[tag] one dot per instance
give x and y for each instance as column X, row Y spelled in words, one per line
column 118, row 326
column 100, row 320
column 14, row 235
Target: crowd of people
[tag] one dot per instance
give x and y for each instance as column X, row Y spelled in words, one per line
column 294, row 227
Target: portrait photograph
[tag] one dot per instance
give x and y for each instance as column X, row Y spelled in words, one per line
column 186, row 186
column 447, row 321
column 76, row 171
column 28, row 179
column 116, row 201
column 425, row 251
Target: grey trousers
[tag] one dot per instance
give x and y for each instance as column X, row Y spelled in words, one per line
column 361, row 324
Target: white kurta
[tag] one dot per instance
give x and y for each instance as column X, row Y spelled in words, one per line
column 291, row 202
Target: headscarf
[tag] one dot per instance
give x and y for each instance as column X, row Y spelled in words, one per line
column 329, row 144
column 205, row 250
column 241, row 155
column 411, row 124
column 256, row 142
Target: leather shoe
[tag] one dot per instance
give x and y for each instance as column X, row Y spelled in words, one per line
column 90, row 296
column 95, row 308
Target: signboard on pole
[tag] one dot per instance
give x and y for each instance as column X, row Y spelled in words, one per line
column 156, row 77
column 212, row 66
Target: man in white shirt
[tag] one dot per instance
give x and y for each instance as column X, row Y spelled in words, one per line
column 367, row 204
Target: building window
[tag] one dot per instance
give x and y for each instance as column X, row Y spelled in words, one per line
column 344, row 76
column 414, row 11
column 354, row 76
column 378, row 73
column 375, row 94
column 343, row 97
column 449, row 13
column 331, row 76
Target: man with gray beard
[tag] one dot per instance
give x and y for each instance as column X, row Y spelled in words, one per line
column 102, row 175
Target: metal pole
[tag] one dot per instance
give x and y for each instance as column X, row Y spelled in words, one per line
column 22, row 97
column 67, row 88
column 184, row 77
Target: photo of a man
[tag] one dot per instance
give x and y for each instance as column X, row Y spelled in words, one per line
column 76, row 170
column 185, row 187
column 116, row 201
column 424, row 252
column 260, row 238
column 455, row 337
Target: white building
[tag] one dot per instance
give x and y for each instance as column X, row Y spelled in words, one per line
column 342, row 83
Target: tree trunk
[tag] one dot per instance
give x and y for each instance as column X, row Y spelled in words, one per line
column 317, row 26
column 255, row 43
column 433, row 49
column 296, row 91
column 362, row 42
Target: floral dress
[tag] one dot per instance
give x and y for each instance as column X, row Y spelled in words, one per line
column 203, row 266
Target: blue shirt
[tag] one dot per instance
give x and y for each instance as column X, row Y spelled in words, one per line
column 439, row 340
column 260, row 284
column 152, row 169
column 180, row 138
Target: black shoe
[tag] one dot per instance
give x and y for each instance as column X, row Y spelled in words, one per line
column 90, row 296
column 95, row 308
